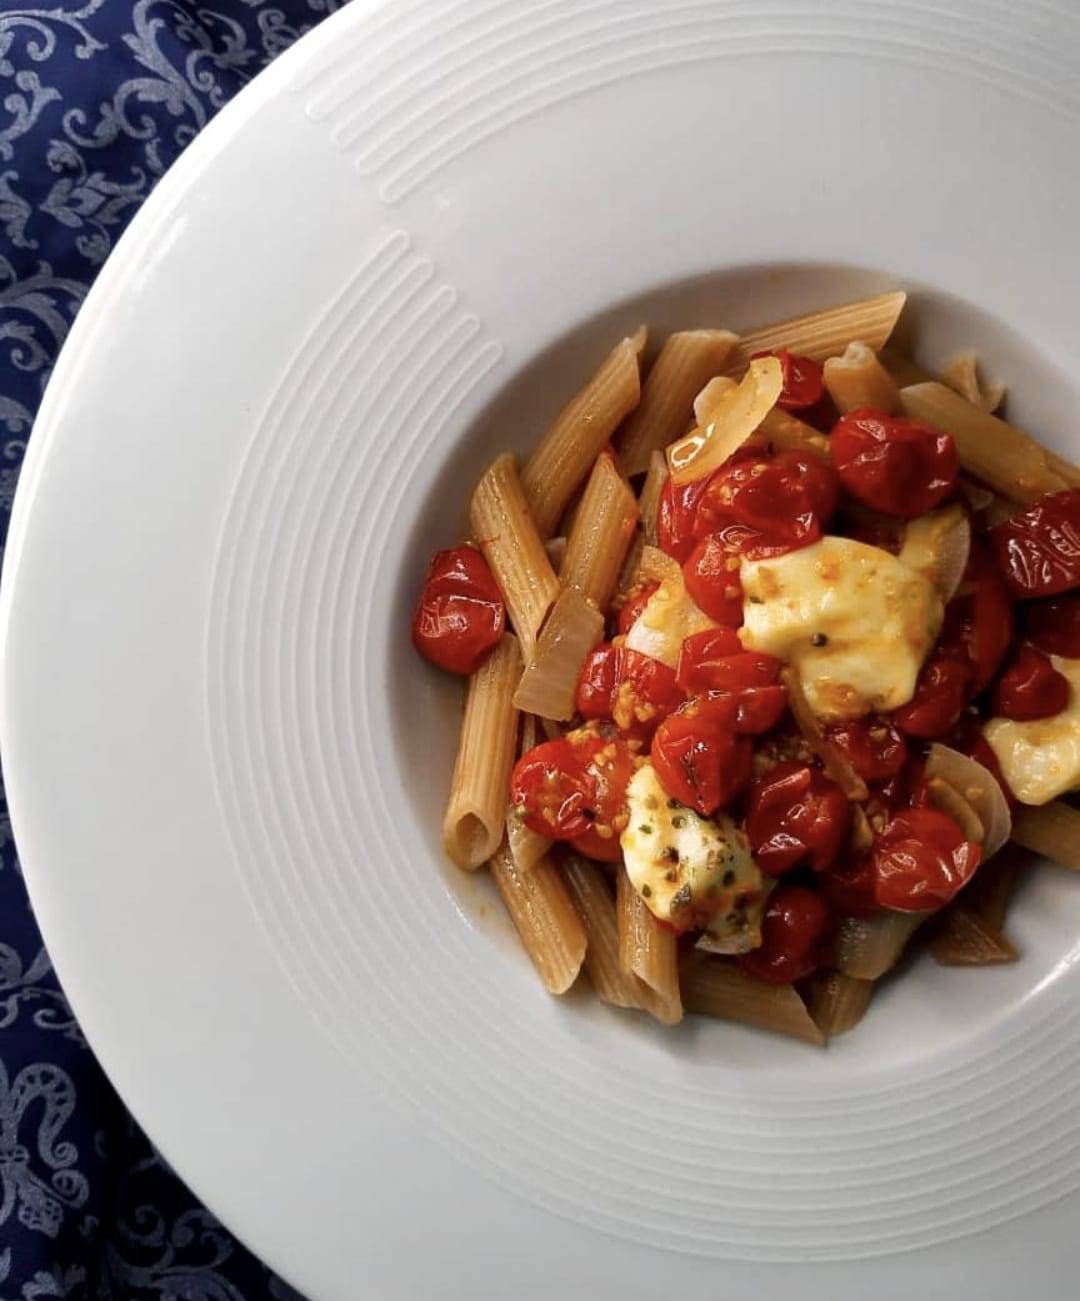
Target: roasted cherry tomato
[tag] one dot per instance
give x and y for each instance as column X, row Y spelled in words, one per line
column 712, row 579
column 783, row 501
column 460, row 616
column 676, row 518
column 1054, row 625
column 632, row 608
column 699, row 758
column 1030, row 687
column 1038, row 551
column 715, row 663
column 632, row 689
column 795, row 814
column 921, row 860
column 896, row 465
column 792, row 931
column 980, row 617
column 804, row 381
column 873, row 747
column 574, row 788
column 849, row 887
column 941, row 692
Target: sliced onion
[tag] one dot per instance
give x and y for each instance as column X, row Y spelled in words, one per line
column 936, row 545
column 978, row 786
column 708, row 400
column 833, row 759
column 548, row 685
column 735, row 416
column 948, row 800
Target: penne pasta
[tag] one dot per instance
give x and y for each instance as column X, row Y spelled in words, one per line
column 648, row 505
column 961, row 938
column 564, row 455
column 602, row 532
column 857, row 379
column 867, row 947
column 1052, row 830
column 682, row 366
column 549, row 683
column 1002, row 456
column 961, row 373
column 543, row 912
column 837, row 1003
column 592, row 896
column 717, row 987
column 988, row 894
column 476, row 810
column 504, row 528
column 648, row 951
column 821, row 335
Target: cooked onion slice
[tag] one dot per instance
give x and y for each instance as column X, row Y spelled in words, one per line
column 977, row 785
column 936, row 545
column 735, row 416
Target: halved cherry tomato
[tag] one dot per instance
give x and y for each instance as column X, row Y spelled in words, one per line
column 795, row 814
column 849, row 887
column 787, row 499
column 941, row 692
column 574, row 788
column 804, row 381
column 698, row 652
column 460, row 615
column 980, row 616
column 712, row 579
column 873, row 747
column 676, row 516
column 634, row 690
column 792, row 930
column 921, row 860
column 1054, row 625
column 1030, row 687
column 699, row 758
column 896, row 465
column 714, row 662
column 1038, row 551
column 633, row 607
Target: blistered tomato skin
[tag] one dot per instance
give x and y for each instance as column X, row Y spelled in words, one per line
column 712, row 579
column 795, row 814
column 895, row 465
column 1038, row 551
column 795, row 924
column 941, row 692
column 920, row 861
column 804, row 380
column 1030, row 688
column 460, row 615
column 873, row 747
column 980, row 618
column 676, row 518
column 633, row 690
column 631, row 611
column 1053, row 625
column 714, row 664
column 699, row 757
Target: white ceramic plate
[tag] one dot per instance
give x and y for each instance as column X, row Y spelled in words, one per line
column 397, row 252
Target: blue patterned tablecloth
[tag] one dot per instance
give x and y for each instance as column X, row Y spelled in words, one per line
column 96, row 101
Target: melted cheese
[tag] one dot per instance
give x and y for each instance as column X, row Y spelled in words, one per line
column 853, row 621
column 668, row 618
column 688, row 869
column 1041, row 759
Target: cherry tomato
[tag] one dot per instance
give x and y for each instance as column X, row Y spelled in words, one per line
column 941, row 692
column 804, row 381
column 787, row 499
column 712, row 579
column 676, row 515
column 795, row 814
column 634, row 690
column 873, row 747
column 699, row 651
column 849, row 887
column 1038, row 551
column 460, row 615
column 714, row 663
column 698, row 756
column 792, row 930
column 1030, row 687
column 980, row 616
column 1054, row 625
column 896, row 465
column 921, row 860
column 633, row 607
column 574, row 788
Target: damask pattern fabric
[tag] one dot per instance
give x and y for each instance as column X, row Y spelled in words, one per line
column 96, row 101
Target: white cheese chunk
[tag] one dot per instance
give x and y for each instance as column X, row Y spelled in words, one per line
column 1041, row 759
column 855, row 623
column 689, row 870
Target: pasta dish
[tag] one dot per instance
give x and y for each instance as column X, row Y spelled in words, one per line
column 772, row 653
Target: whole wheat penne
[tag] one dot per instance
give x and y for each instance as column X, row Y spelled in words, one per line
column 837, row 1002
column 1002, row 456
column 648, row 505
column 682, row 366
column 717, row 987
column 592, row 896
column 961, row 372
column 543, row 912
column 857, row 379
column 603, row 529
column 476, row 810
column 504, row 528
column 1050, row 829
column 527, row 846
column 549, row 682
column 566, row 452
column 961, row 938
column 988, row 894
column 866, row 947
column 822, row 334
column 648, row 952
